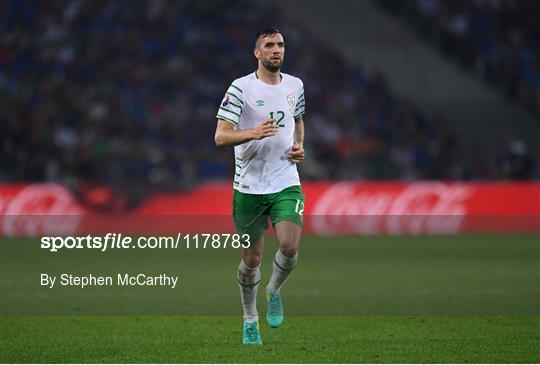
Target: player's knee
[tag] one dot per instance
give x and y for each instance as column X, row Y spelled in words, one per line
column 289, row 248
column 252, row 259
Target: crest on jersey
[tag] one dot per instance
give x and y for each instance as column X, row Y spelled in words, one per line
column 291, row 99
column 225, row 100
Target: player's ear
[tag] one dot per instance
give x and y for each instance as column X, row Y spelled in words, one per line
column 257, row 53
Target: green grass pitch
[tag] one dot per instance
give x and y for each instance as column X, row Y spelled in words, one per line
column 464, row 299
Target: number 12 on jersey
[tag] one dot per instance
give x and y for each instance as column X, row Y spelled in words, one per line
column 281, row 116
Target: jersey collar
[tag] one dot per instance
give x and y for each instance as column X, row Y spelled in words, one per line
column 264, row 83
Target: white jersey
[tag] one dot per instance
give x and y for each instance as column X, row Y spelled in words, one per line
column 262, row 166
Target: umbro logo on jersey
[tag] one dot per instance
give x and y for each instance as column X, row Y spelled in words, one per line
column 259, row 102
column 291, row 99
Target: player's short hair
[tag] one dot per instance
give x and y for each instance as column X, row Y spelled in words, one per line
column 266, row 32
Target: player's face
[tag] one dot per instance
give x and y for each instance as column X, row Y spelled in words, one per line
column 270, row 51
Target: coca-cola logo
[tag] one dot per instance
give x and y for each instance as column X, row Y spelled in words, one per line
column 417, row 208
column 41, row 209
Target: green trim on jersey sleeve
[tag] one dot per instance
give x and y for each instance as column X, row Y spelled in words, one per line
column 236, row 105
column 300, row 108
column 300, row 104
column 235, row 96
column 230, row 111
column 226, row 119
column 237, row 88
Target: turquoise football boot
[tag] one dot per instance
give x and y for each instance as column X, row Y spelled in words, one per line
column 274, row 309
column 251, row 335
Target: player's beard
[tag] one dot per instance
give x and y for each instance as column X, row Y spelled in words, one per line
column 272, row 67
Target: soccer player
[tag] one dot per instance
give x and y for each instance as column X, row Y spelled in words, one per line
column 261, row 116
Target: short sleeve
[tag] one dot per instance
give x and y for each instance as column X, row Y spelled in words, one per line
column 231, row 105
column 300, row 108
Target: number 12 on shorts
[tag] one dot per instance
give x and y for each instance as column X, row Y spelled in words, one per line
column 299, row 209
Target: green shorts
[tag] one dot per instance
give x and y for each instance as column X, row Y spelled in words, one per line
column 251, row 211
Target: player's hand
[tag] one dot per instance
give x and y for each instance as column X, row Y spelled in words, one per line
column 296, row 154
column 268, row 128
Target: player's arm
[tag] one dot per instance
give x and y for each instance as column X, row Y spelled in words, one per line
column 226, row 135
column 296, row 154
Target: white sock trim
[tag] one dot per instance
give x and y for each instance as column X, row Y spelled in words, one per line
column 281, row 269
column 253, row 273
column 285, row 263
column 248, row 281
column 251, row 319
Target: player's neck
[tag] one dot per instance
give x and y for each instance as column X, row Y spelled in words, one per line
column 272, row 78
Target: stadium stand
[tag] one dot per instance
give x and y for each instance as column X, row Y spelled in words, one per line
column 125, row 94
column 498, row 39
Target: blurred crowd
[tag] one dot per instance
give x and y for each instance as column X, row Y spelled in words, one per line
column 499, row 39
column 124, row 94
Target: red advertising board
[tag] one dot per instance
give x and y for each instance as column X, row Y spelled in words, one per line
column 331, row 208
